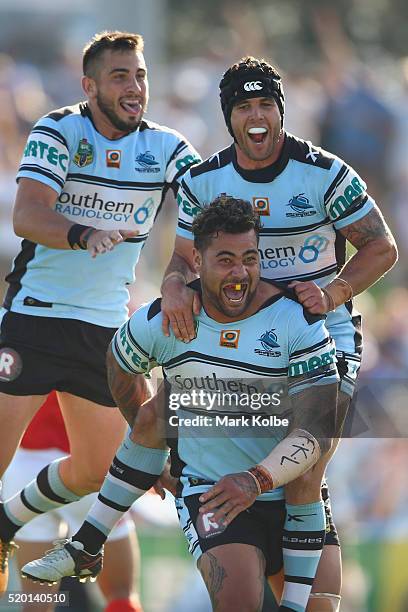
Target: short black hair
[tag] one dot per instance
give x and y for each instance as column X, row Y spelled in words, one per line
column 114, row 41
column 238, row 82
column 224, row 214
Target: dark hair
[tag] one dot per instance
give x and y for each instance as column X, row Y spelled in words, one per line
column 236, row 82
column 225, row 214
column 114, row 41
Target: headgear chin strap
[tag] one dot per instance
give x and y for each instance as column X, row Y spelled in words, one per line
column 250, row 83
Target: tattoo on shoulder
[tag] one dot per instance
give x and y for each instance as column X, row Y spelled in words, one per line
column 369, row 228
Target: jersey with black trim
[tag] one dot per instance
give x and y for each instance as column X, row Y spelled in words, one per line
column 276, row 350
column 107, row 184
column 303, row 200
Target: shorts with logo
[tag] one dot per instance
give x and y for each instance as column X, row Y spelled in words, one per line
column 260, row 525
column 39, row 354
column 348, row 365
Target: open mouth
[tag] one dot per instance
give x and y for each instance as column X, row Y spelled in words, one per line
column 258, row 134
column 235, row 292
column 133, row 107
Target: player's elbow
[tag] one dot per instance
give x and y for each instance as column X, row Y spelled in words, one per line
column 392, row 254
column 19, row 223
column 388, row 252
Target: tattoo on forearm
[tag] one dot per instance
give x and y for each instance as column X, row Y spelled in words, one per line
column 367, row 229
column 214, row 575
column 128, row 391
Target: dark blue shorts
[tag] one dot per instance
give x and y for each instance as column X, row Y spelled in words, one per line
column 40, row 354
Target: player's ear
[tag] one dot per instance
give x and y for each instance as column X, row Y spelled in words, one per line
column 89, row 86
column 197, row 260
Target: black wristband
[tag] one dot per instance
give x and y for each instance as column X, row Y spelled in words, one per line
column 74, row 236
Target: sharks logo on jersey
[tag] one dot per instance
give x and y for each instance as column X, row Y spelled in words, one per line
column 301, row 205
column 269, row 341
column 146, row 162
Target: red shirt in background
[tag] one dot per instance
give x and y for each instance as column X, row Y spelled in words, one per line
column 47, row 429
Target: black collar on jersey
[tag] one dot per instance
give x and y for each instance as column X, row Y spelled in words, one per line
column 267, row 174
column 285, row 292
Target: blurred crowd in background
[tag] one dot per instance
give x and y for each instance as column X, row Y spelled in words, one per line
column 345, row 74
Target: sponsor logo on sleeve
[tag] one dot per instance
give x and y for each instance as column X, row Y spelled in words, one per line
column 42, row 150
column 313, row 363
column 137, row 358
column 188, row 160
column 343, row 202
column 186, row 206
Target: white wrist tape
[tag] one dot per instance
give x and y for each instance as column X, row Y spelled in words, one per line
column 325, row 601
column 293, row 456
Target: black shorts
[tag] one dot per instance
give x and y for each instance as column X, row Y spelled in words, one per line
column 39, row 354
column 260, row 525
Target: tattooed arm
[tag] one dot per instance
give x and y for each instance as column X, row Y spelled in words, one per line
column 376, row 251
column 376, row 254
column 129, row 391
column 312, row 429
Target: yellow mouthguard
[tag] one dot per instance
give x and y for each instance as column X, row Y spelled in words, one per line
column 238, row 287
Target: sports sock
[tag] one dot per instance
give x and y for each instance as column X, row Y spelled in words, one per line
column 44, row 493
column 134, row 471
column 303, row 540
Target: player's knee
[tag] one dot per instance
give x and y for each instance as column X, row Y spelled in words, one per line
column 129, row 414
column 146, row 421
column 304, row 488
column 90, row 478
column 238, row 599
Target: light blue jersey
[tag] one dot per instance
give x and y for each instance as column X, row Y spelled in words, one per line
column 107, row 184
column 303, row 200
column 278, row 347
